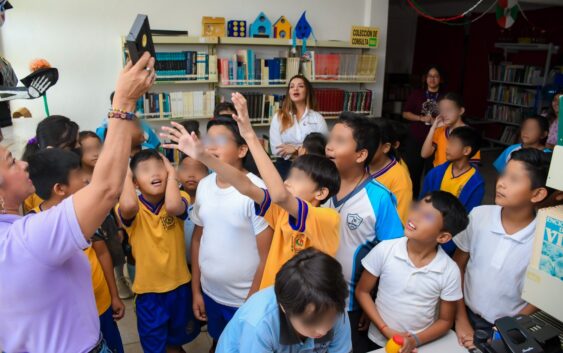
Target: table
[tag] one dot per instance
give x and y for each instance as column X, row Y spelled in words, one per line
column 448, row 344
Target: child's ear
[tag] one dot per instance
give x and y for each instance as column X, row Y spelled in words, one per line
column 361, row 156
column 242, row 151
column 386, row 147
column 539, row 194
column 396, row 145
column 59, row 189
column 321, row 194
column 444, row 237
column 462, row 111
column 466, row 151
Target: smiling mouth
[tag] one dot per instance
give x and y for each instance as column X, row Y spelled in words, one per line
column 410, row 226
column 156, row 182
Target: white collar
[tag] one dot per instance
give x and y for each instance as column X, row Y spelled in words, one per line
column 521, row 236
column 438, row 263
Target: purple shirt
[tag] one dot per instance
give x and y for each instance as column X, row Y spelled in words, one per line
column 421, row 102
column 553, row 130
column 46, row 297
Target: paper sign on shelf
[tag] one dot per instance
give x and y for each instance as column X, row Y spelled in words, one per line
column 364, row 37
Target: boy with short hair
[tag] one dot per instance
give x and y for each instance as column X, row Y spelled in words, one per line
column 303, row 312
column 314, row 143
column 224, row 109
column 154, row 221
column 291, row 210
column 368, row 212
column 56, row 175
column 419, row 283
column 495, row 249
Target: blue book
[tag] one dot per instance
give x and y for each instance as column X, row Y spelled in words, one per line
column 250, row 61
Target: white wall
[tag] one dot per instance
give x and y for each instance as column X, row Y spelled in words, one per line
column 82, row 39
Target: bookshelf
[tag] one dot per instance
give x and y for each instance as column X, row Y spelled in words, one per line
column 178, row 70
column 515, row 90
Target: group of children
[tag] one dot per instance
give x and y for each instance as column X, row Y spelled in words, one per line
column 336, row 257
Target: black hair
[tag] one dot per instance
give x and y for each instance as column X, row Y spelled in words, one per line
column 191, row 126
column 388, row 135
column 536, row 163
column 542, row 122
column 311, row 278
column 315, row 143
column 321, row 170
column 83, row 135
column 454, row 214
column 53, row 131
column 49, row 167
column 454, row 97
column 144, row 155
column 222, row 107
column 551, row 113
column 111, row 97
column 469, row 137
column 365, row 133
column 440, row 72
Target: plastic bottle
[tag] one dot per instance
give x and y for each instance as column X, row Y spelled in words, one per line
column 394, row 344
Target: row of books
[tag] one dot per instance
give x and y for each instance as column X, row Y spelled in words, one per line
column 347, row 67
column 512, row 95
column 261, row 107
column 508, row 72
column 510, row 135
column 333, row 101
column 186, row 65
column 504, row 113
column 244, row 68
column 177, row 104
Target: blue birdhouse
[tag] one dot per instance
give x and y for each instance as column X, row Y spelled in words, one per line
column 303, row 29
column 261, row 27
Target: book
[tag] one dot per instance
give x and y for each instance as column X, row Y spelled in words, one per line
column 334, row 101
column 196, row 104
column 185, row 65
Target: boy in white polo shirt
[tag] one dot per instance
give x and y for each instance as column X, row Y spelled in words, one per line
column 419, row 283
column 496, row 247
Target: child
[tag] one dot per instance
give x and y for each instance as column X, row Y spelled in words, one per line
column 90, row 147
column 367, row 209
column 314, row 143
column 385, row 167
column 495, row 249
column 553, row 117
column 291, row 210
column 224, row 109
column 533, row 134
column 155, row 223
column 303, row 312
column 457, row 176
column 419, row 283
column 56, row 174
column 230, row 242
column 450, row 118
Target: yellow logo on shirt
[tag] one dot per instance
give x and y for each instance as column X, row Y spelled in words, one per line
column 168, row 222
column 298, row 242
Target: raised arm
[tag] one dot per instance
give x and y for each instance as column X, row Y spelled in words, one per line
column 172, row 198
column 268, row 172
column 128, row 200
column 93, row 203
column 428, row 146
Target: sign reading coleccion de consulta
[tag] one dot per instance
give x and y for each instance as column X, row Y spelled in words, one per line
column 366, row 37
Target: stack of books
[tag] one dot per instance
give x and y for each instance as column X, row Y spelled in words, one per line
column 244, row 68
column 194, row 104
column 510, row 73
column 343, row 67
column 504, row 113
column 509, row 135
column 512, row 95
column 333, row 101
column 186, row 65
column 262, row 107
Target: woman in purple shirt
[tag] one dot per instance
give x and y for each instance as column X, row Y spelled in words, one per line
column 46, row 296
column 420, row 108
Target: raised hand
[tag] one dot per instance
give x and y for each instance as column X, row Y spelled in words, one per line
column 133, row 82
column 183, row 141
column 242, row 118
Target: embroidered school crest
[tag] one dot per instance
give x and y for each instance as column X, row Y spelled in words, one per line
column 354, row 220
column 298, row 243
column 167, row 222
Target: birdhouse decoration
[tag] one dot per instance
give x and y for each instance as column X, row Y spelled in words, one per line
column 302, row 31
column 236, row 28
column 261, row 27
column 282, row 28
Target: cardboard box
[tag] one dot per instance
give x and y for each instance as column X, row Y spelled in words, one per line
column 213, row 26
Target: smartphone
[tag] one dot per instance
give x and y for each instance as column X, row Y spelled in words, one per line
column 139, row 39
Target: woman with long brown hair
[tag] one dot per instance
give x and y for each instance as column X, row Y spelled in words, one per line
column 294, row 121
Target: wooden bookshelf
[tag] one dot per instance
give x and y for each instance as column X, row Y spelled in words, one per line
column 342, row 81
column 183, row 82
column 512, row 104
column 515, row 83
column 286, row 42
column 184, row 40
column 220, row 85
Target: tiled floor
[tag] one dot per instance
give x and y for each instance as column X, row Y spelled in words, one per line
column 128, row 326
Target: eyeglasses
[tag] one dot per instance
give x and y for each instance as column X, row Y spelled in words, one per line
column 219, row 140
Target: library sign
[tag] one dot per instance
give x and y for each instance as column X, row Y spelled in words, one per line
column 364, row 37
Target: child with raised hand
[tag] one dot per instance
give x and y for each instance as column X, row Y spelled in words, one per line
column 495, row 249
column 291, row 208
column 533, row 134
column 451, row 111
column 154, row 221
column 230, row 242
column 418, row 283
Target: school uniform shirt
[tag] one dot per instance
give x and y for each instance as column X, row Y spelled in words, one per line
column 157, row 242
column 368, row 215
column 494, row 276
column 45, row 283
column 311, row 121
column 502, row 160
column 408, row 296
column 314, row 227
column 31, row 203
column 101, row 289
column 440, row 141
column 260, row 326
column 228, row 254
column 398, row 180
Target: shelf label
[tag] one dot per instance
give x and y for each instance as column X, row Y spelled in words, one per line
column 364, row 37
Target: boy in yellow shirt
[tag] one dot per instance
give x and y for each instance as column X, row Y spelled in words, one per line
column 56, row 175
column 154, row 221
column 290, row 208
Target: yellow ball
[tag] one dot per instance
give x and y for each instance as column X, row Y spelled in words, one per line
column 394, row 344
